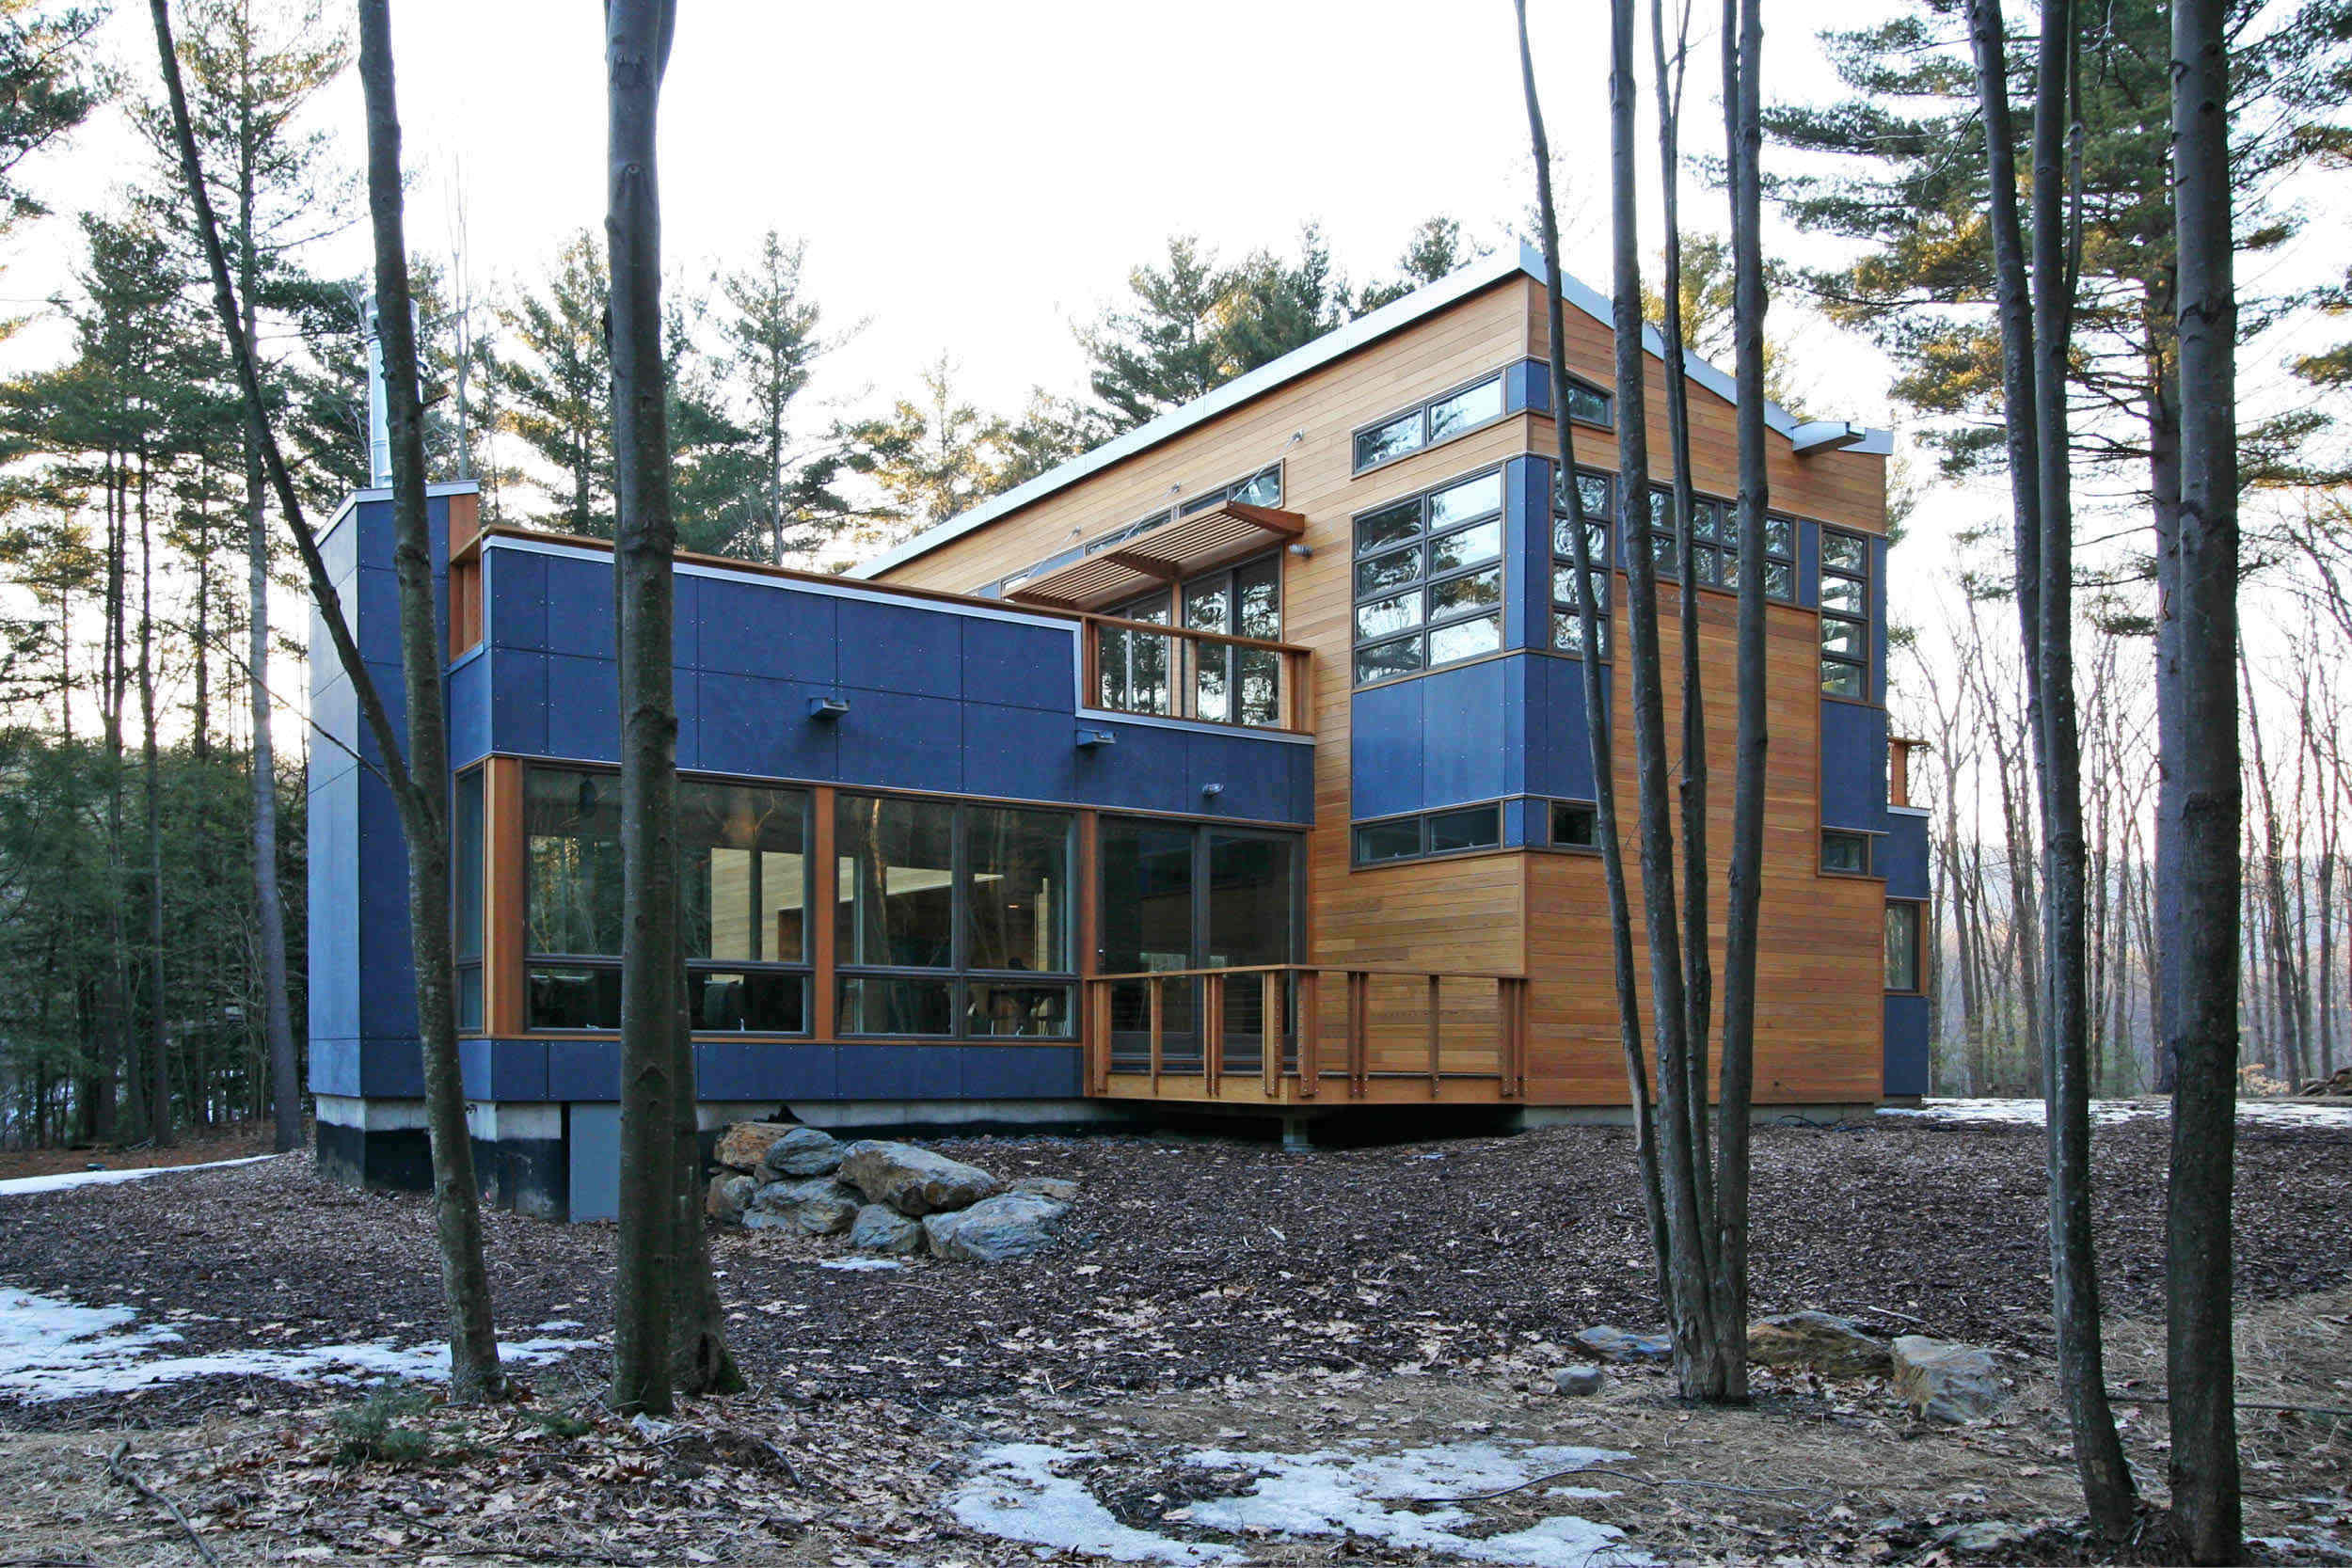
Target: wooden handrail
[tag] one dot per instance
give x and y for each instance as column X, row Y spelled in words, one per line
column 1301, row 1022
column 1197, row 634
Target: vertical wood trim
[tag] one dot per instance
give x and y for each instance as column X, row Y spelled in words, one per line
column 1270, row 1030
column 1095, row 1036
column 1212, row 1033
column 1310, row 1003
column 502, row 979
column 1433, row 1037
column 1159, row 1026
column 824, row 1005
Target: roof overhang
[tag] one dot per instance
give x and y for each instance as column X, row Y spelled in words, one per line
column 1364, row 330
column 1161, row 555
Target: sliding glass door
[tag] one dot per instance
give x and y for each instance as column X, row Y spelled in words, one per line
column 1183, row 898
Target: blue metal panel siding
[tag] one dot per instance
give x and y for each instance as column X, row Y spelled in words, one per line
column 1903, row 856
column 764, row 1069
column 1878, row 620
column 1527, row 552
column 1023, row 754
column 1384, row 749
column 1906, row 1057
column 1019, row 1072
column 468, row 697
column 1527, row 386
column 503, row 1069
column 1853, row 758
column 893, row 740
column 917, row 653
column 588, row 1070
column 515, row 598
column 1019, row 666
column 1559, row 748
column 1809, row 564
column 583, row 707
column 761, row 728
column 1440, row 739
column 898, row 1072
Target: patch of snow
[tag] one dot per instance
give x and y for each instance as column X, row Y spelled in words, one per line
column 2027, row 1113
column 554, row 1323
column 17, row 1186
column 1016, row 1496
column 54, row 1350
column 861, row 1265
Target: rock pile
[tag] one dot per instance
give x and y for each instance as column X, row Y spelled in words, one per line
column 894, row 1199
column 2339, row 1082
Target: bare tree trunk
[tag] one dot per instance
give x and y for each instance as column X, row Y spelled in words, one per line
column 285, row 1063
column 2044, row 534
column 158, row 1027
column 1743, row 48
column 474, row 1372
column 1592, row 628
column 700, row 1362
column 2201, row 745
column 637, row 34
column 1691, row 1248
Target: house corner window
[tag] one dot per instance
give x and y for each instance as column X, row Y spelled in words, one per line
column 1575, row 825
column 742, row 888
column 1845, row 615
column 1845, row 854
column 1902, row 947
column 1592, row 494
column 1429, row 587
column 466, row 889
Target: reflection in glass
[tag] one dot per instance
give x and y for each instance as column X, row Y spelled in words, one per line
column 1471, row 498
column 1844, row 552
column 1389, row 841
column 1482, row 542
column 1477, row 828
column 1843, row 595
column 1019, row 889
column 1393, row 439
column 742, row 875
column 1478, row 589
column 572, row 854
column 886, row 1005
column 1902, row 947
column 748, row 1002
column 1384, row 572
column 1390, row 524
column 1465, row 640
column 1382, row 616
column 1472, row 405
column 895, row 899
column 1383, row 659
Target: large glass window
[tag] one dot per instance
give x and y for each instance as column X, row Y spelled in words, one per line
column 1178, row 897
column 465, row 888
column 1845, row 615
column 952, row 919
column 1443, row 833
column 1715, row 544
column 1595, row 494
column 1902, row 947
column 1231, row 685
column 742, row 892
column 1429, row 580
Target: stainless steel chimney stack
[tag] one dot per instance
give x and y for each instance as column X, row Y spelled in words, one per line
column 379, row 418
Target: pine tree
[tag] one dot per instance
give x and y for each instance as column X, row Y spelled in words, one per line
column 554, row 375
column 773, row 337
column 47, row 89
column 1437, row 249
column 1273, row 305
column 1165, row 348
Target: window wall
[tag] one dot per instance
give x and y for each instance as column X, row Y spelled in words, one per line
column 743, row 887
column 1596, row 496
column 1231, row 685
column 466, row 889
column 952, row 919
column 1429, row 578
column 1176, row 896
column 1845, row 615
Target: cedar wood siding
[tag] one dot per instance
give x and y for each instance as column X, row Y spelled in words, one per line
column 1538, row 913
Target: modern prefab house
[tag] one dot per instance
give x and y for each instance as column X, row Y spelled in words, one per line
column 1237, row 767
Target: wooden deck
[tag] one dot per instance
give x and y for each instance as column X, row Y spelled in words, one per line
column 1307, row 1034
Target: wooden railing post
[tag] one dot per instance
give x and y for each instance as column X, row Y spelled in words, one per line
column 1212, row 1032
column 1270, row 1030
column 1160, row 1010
column 1308, row 997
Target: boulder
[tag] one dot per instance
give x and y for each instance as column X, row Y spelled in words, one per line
column 913, row 1180
column 1578, row 1380
column 741, row 1146
column 1615, row 1344
column 802, row 1151
column 1944, row 1381
column 1055, row 1187
column 882, row 1228
column 818, row 1205
column 1829, row 1345
column 1011, row 1225
column 728, row 1196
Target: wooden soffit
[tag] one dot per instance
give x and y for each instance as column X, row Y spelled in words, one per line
column 1166, row 553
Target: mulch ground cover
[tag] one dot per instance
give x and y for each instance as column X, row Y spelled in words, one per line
column 1187, row 1262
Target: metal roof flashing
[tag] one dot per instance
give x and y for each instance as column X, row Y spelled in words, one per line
column 1364, row 330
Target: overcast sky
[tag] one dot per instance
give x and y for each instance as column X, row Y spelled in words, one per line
column 973, row 179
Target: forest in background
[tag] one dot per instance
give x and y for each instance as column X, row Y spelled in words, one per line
column 137, row 967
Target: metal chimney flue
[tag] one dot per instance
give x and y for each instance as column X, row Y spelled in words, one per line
column 379, row 416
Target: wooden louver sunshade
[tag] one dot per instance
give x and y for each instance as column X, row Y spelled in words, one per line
column 1158, row 556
